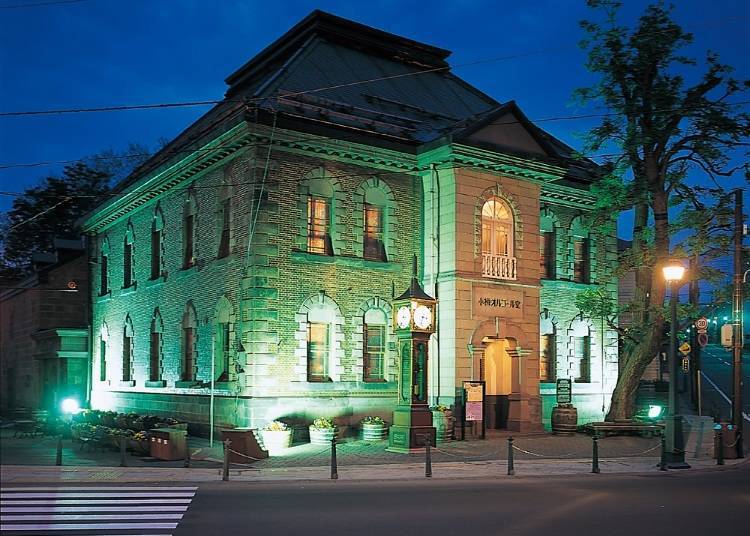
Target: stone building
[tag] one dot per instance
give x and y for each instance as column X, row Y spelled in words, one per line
column 44, row 353
column 245, row 273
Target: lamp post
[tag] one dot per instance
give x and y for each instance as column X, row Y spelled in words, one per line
column 673, row 273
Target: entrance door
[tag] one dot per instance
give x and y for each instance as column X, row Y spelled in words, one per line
column 497, row 374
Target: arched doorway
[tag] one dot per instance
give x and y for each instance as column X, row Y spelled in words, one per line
column 497, row 372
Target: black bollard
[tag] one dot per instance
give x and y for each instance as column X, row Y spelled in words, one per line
column 720, row 449
column 225, row 465
column 123, row 462
column 511, row 469
column 663, row 464
column 58, row 458
column 187, row 453
column 427, row 458
column 595, row 455
column 334, row 462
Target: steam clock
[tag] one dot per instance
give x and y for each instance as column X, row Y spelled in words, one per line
column 414, row 322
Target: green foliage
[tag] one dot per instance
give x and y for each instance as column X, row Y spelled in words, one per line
column 595, row 303
column 373, row 420
column 276, row 426
column 322, row 424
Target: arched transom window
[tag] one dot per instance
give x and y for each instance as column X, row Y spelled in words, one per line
column 498, row 260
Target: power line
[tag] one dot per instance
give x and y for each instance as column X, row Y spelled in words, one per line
column 41, row 4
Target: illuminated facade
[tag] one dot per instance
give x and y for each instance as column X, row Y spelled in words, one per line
column 258, row 253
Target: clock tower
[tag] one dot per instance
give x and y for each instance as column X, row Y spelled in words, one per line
column 414, row 322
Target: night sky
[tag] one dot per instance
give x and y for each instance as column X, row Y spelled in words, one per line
column 94, row 53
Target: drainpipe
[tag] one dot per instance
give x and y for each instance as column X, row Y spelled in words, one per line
column 436, row 244
column 213, row 380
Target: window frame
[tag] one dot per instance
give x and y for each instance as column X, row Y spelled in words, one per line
column 368, row 355
column 224, row 249
column 313, row 234
column 581, row 259
column 548, row 254
column 373, row 241
column 128, row 275
column 102, row 359
column 583, row 343
column 491, row 224
column 104, row 274
column 550, row 359
column 127, row 357
column 156, row 256
column 188, row 373
column 188, row 236
column 324, row 353
column 154, row 357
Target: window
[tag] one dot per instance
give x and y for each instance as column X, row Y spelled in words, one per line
column 156, row 254
column 374, row 353
column 318, row 226
column 547, row 351
column 225, row 224
column 318, row 347
column 188, row 231
column 547, row 254
column 102, row 359
column 127, row 265
column 127, row 357
column 374, row 246
column 497, row 228
column 582, row 353
column 188, row 354
column 580, row 259
column 154, row 373
column 104, row 277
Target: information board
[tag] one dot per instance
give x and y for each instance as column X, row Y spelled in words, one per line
column 564, row 391
column 473, row 411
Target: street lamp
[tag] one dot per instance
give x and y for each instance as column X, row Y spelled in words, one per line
column 673, row 273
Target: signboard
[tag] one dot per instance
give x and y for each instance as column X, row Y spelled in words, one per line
column 474, row 393
column 473, row 411
column 564, row 391
column 492, row 302
column 684, row 348
column 702, row 339
column 701, row 324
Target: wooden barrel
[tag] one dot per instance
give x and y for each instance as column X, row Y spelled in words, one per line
column 564, row 419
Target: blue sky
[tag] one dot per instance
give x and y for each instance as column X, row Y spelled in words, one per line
column 93, row 53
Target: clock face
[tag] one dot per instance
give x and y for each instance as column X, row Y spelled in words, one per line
column 403, row 316
column 423, row 317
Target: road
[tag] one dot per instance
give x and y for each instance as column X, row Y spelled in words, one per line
column 675, row 503
column 716, row 364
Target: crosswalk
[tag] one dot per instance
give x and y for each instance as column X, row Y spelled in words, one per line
column 102, row 510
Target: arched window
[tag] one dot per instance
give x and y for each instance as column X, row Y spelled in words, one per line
column 580, row 332
column 374, row 225
column 189, row 211
column 103, row 341
column 155, row 360
column 581, row 247
column 128, row 278
column 320, row 340
column 319, row 217
column 222, row 340
column 224, row 214
column 498, row 259
column 189, row 336
column 157, row 244
column 547, row 246
column 374, row 345
column 127, row 351
column 547, row 348
column 104, row 267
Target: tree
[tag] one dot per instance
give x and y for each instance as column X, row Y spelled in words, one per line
column 664, row 129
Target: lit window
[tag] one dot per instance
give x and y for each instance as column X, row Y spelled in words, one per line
column 374, row 245
column 374, row 353
column 547, row 255
column 582, row 353
column 497, row 228
column 318, row 226
column 580, row 259
column 318, row 344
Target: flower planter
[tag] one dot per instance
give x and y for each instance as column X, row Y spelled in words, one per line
column 322, row 436
column 374, row 432
column 443, row 423
column 276, row 441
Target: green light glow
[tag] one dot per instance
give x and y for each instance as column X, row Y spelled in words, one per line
column 654, row 411
column 70, row 406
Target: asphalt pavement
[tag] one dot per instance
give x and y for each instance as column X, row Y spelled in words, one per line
column 716, row 381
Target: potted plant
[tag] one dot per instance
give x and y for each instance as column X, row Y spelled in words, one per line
column 322, row 431
column 442, row 420
column 373, row 428
column 276, row 437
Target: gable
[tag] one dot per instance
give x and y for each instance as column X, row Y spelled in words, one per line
column 507, row 130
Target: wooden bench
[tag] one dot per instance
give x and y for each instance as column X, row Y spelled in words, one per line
column 643, row 429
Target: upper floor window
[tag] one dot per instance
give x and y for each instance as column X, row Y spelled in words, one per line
column 547, row 254
column 157, row 243
column 127, row 265
column 188, row 232
column 374, row 244
column 104, row 268
column 226, row 218
column 318, row 225
column 581, row 267
column 497, row 240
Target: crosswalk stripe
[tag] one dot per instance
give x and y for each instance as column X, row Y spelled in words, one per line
column 86, row 526
column 84, row 495
column 51, row 509
column 94, row 501
column 101, row 488
column 88, row 517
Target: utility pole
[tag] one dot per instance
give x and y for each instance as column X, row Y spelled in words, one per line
column 695, row 368
column 737, row 321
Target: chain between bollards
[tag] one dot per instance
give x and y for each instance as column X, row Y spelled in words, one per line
column 427, row 458
column 58, row 458
column 225, row 466
column 187, row 453
column 511, row 470
column 123, row 461
column 663, row 463
column 334, row 462
column 720, row 448
column 595, row 455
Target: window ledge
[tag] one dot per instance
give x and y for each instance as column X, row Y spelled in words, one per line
column 356, row 262
column 104, row 297
column 156, row 282
column 129, row 290
column 188, row 384
column 220, row 261
column 126, row 383
column 184, row 272
column 155, row 383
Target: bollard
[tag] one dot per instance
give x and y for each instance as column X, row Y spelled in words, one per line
column 427, row 458
column 720, row 449
column 511, row 469
column 334, row 462
column 663, row 464
column 595, row 455
column 58, row 458
column 225, row 465
column 123, row 462
column 187, row 453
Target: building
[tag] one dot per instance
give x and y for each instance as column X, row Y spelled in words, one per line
column 245, row 272
column 44, row 331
